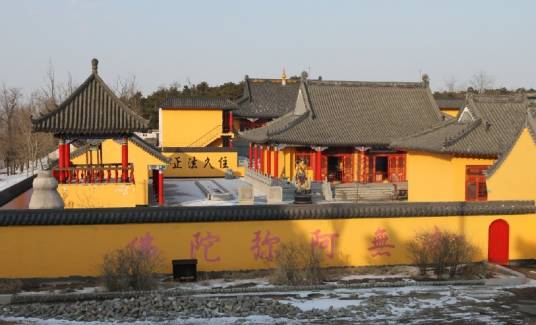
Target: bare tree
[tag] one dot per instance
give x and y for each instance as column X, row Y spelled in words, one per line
column 481, row 81
column 9, row 104
column 451, row 84
column 128, row 91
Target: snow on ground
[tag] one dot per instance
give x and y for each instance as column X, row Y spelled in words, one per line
column 254, row 319
column 8, row 181
column 186, row 193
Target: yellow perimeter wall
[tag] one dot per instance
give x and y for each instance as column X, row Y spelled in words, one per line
column 109, row 195
column 53, row 251
column 98, row 195
column 202, row 164
column 183, row 127
column 435, row 178
column 515, row 179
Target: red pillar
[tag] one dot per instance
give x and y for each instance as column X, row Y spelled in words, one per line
column 124, row 160
column 262, row 159
column 269, row 161
column 276, row 162
column 61, row 157
column 67, row 159
column 318, row 166
column 160, row 187
column 250, row 156
column 230, row 121
column 255, row 158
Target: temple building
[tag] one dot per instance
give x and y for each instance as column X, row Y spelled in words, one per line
column 264, row 100
column 195, row 122
column 342, row 131
column 196, row 134
column 449, row 162
column 112, row 166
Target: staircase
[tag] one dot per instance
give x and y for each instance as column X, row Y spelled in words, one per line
column 208, row 137
column 366, row 192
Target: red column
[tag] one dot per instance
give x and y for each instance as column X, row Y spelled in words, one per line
column 269, row 161
column 255, row 158
column 67, row 159
column 250, row 156
column 262, row 159
column 160, row 187
column 61, row 157
column 318, row 166
column 230, row 121
column 124, row 160
column 276, row 162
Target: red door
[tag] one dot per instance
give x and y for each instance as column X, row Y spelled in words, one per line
column 498, row 242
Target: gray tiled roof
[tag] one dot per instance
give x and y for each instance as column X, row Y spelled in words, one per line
column 93, row 109
column 144, row 145
column 198, row 102
column 54, row 217
column 495, row 122
column 458, row 103
column 531, row 126
column 267, row 98
column 348, row 113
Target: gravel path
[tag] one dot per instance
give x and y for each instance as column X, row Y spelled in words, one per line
column 477, row 305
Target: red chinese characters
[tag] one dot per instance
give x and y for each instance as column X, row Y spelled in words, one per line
column 262, row 247
column 326, row 242
column 204, row 244
column 144, row 244
column 380, row 243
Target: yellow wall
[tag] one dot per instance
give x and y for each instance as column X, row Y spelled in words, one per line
column 53, row 251
column 433, row 177
column 115, row 195
column 181, row 164
column 111, row 153
column 183, row 128
column 515, row 179
column 451, row 111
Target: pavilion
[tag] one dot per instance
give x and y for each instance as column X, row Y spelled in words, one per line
column 92, row 115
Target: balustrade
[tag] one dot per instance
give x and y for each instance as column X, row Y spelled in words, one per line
column 87, row 174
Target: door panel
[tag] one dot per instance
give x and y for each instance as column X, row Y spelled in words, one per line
column 498, row 242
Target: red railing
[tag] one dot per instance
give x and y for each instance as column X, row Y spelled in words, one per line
column 86, row 174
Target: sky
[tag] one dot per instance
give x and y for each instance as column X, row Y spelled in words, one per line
column 163, row 42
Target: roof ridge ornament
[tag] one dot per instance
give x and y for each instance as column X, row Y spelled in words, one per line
column 426, row 80
column 284, row 78
column 94, row 66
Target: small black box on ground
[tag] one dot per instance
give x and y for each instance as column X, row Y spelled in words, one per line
column 184, row 270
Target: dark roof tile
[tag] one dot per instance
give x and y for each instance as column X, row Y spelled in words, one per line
column 348, row 113
column 93, row 109
column 198, row 103
column 487, row 128
column 267, row 98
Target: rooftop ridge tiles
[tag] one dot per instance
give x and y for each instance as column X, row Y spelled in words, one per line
column 401, row 84
column 260, row 213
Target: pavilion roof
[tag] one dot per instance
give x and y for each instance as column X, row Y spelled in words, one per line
column 486, row 127
column 352, row 113
column 92, row 110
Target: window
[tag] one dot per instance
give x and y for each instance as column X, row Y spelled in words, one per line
column 475, row 183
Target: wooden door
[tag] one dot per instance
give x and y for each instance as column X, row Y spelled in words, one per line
column 498, row 242
column 347, row 169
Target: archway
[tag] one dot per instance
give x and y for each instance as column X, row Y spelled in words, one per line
column 498, row 242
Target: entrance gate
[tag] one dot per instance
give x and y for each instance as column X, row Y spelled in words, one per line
column 498, row 242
